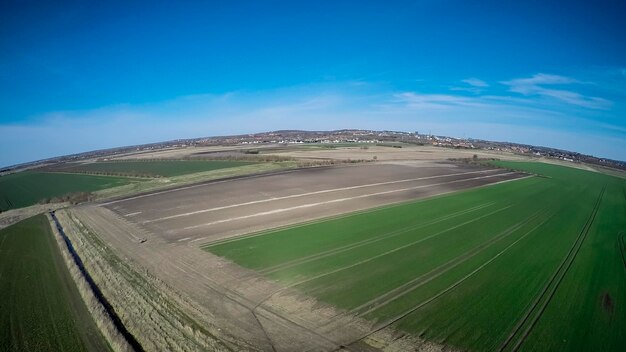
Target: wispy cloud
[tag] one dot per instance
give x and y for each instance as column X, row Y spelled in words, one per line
column 415, row 100
column 472, row 85
column 475, row 82
column 540, row 79
column 523, row 117
column 535, row 86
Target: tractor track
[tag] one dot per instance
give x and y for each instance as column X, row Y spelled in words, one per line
column 369, row 259
column 551, row 287
column 400, row 291
column 622, row 247
column 404, row 314
column 354, row 245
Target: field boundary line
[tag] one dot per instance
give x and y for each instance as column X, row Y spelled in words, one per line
column 549, row 289
column 364, row 242
column 449, row 288
column 454, row 261
column 306, row 194
column 310, row 205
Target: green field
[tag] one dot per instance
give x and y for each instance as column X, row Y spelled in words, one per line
column 532, row 264
column 27, row 188
column 41, row 308
column 152, row 168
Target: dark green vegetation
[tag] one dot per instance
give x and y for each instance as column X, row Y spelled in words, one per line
column 41, row 308
column 27, row 188
column 532, row 264
column 150, row 168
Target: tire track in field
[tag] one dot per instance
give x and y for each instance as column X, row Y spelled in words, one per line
column 540, row 304
column 8, row 202
column 397, row 248
column 404, row 314
column 407, row 287
column 253, row 309
column 622, row 247
column 423, row 279
column 341, row 249
column 289, row 286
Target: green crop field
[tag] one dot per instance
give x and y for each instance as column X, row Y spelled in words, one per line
column 165, row 168
column 531, row 264
column 40, row 309
column 27, row 188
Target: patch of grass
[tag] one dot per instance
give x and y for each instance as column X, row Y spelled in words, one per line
column 27, row 188
column 152, row 168
column 41, row 307
column 534, row 262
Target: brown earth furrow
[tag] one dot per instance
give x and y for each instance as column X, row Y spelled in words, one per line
column 249, row 205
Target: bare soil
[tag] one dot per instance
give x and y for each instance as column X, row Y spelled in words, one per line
column 214, row 211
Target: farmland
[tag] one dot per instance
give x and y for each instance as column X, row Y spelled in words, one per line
column 149, row 168
column 162, row 232
column 26, row 188
column 41, row 307
column 531, row 264
column 213, row 210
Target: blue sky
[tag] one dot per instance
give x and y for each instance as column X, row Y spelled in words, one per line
column 76, row 76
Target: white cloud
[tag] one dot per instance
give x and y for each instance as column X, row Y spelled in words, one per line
column 539, row 79
column 421, row 101
column 476, row 86
column 475, row 82
column 535, row 85
column 316, row 107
